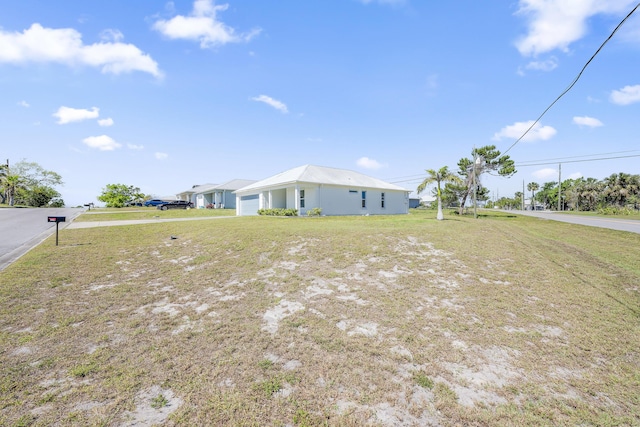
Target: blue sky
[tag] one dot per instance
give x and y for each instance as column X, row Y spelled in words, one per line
column 165, row 95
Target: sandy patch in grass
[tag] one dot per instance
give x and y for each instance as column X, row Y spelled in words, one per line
column 273, row 316
column 153, row 407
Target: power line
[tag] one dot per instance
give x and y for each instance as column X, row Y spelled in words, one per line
column 542, row 162
column 574, row 80
column 576, row 157
column 579, row 161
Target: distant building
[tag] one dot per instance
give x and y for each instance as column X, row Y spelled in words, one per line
column 219, row 195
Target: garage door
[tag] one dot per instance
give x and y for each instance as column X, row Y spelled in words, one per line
column 249, row 205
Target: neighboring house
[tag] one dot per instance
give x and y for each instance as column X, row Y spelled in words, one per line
column 219, row 195
column 335, row 191
column 428, row 200
column 414, row 202
column 190, row 195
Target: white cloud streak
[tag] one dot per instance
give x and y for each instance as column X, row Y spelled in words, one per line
column 65, row 46
column 587, row 121
column 625, row 96
column 102, row 143
column 68, row 115
column 546, row 173
column 202, row 25
column 517, row 129
column 367, row 163
column 280, row 106
column 161, row 156
column 105, row 122
column 555, row 24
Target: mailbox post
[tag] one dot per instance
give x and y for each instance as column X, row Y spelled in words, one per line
column 57, row 220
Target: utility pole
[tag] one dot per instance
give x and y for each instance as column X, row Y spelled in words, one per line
column 559, row 186
column 522, row 198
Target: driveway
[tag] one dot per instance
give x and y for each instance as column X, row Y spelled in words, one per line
column 613, row 223
column 23, row 229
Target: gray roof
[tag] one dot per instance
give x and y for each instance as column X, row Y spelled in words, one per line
column 321, row 175
column 235, row 184
column 232, row 185
column 198, row 188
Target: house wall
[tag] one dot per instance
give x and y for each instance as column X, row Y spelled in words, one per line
column 333, row 200
column 348, row 201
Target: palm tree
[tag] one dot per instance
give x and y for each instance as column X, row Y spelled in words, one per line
column 533, row 187
column 441, row 175
column 11, row 185
column 4, row 171
column 619, row 187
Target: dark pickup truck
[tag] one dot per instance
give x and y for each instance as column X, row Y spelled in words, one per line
column 177, row 204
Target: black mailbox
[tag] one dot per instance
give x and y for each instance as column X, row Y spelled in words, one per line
column 56, row 219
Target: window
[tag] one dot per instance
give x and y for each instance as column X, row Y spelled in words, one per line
column 364, row 199
column 382, row 200
column 301, row 198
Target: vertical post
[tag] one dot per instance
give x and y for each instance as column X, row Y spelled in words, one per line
column 559, row 186
column 475, row 186
column 522, row 198
column 57, row 233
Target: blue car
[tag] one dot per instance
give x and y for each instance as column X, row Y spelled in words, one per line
column 154, row 202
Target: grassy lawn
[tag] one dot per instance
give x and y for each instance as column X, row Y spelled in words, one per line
column 342, row 321
column 107, row 214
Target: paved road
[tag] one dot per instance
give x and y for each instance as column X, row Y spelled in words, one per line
column 621, row 224
column 23, row 229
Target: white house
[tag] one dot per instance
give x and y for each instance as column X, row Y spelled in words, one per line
column 190, row 194
column 335, row 191
column 219, row 195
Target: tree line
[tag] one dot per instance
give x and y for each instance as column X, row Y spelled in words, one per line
column 617, row 193
column 29, row 184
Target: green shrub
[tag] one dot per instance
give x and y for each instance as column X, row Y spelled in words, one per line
column 615, row 210
column 314, row 212
column 278, row 212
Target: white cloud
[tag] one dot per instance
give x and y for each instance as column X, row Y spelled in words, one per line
column 68, row 114
column 547, row 65
column 516, row 130
column 203, row 26
column 367, row 163
column 587, row 121
column 65, row 46
column 625, row 96
column 106, row 122
column 111, row 35
column 24, row 104
column 576, row 175
column 102, row 143
column 555, row 24
column 135, row 147
column 161, row 156
column 546, row 173
column 272, row 102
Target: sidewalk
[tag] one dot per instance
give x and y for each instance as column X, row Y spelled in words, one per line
column 93, row 224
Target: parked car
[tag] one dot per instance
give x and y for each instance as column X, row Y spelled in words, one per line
column 155, row 202
column 177, row 204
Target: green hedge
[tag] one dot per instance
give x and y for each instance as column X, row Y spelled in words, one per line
column 278, row 212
